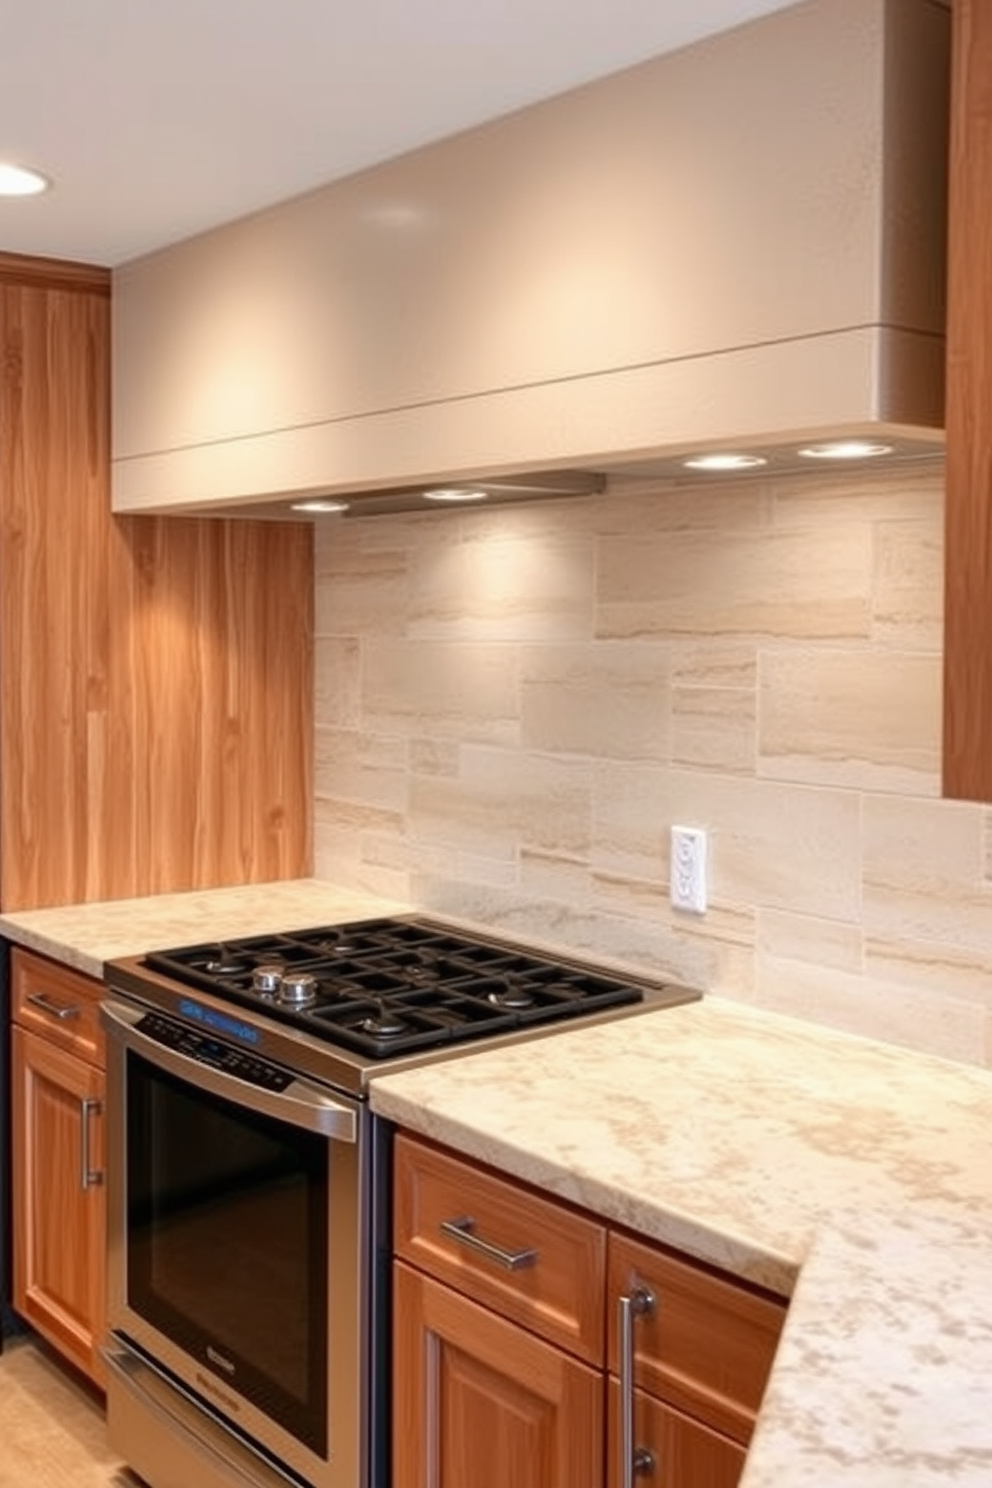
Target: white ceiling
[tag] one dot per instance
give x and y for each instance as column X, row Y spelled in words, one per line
column 159, row 118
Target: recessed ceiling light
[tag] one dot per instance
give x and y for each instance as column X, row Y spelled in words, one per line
column 456, row 494
column 846, row 449
column 319, row 506
column 18, row 180
column 724, row 462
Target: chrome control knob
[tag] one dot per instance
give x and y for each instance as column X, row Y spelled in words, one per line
column 266, row 980
column 298, row 989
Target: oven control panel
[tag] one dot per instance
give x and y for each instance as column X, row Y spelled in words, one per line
column 207, row 1050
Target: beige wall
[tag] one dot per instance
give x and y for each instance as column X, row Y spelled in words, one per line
column 514, row 706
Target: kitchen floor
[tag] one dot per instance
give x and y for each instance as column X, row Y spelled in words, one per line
column 51, row 1426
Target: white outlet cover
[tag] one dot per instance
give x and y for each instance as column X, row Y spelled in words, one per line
column 688, row 869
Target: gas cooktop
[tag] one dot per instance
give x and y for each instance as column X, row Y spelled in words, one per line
column 386, row 988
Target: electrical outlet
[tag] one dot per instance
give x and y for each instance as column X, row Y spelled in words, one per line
column 688, row 869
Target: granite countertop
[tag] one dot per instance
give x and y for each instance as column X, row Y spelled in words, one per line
column 853, row 1176
column 86, row 936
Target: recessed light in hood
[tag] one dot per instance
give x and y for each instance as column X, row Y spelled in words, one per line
column 554, row 485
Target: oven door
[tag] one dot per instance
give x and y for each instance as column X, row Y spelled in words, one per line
column 236, row 1201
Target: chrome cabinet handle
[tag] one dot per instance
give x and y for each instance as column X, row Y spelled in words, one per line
column 61, row 1010
column 88, row 1177
column 463, row 1230
column 635, row 1460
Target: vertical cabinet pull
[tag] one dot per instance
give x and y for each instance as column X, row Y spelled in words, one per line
column 635, row 1461
column 89, row 1177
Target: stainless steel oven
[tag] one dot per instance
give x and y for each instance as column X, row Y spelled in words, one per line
column 248, row 1181
column 247, row 1217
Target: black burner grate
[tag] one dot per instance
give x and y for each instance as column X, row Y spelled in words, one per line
column 388, row 986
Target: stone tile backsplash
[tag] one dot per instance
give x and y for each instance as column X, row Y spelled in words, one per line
column 514, row 707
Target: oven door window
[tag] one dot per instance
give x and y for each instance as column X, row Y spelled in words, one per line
column 227, row 1243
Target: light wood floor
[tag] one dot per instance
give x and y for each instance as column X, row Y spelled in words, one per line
column 51, row 1426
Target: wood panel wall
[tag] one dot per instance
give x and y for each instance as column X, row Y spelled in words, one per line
column 156, row 688
column 968, row 598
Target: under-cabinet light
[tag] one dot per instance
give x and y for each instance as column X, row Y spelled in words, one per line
column 724, row 462
column 455, row 494
column 846, row 449
column 319, row 506
column 20, row 180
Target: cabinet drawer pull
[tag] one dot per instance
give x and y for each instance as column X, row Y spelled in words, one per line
column 61, row 1010
column 635, row 1461
column 88, row 1176
column 463, row 1230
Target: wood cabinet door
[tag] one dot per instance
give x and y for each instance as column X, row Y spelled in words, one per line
column 684, row 1453
column 59, row 1205
column 479, row 1402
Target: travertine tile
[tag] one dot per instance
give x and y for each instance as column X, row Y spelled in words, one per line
column 502, row 801
column 770, row 845
column 923, row 873
column 448, row 688
column 846, row 498
column 728, row 663
column 908, row 603
column 359, row 592
column 537, row 588
column 707, row 585
column 366, row 769
column 811, row 938
column 337, row 682
column 853, row 718
column 612, row 700
column 715, row 728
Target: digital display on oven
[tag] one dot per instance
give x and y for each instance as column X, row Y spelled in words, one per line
column 219, row 1022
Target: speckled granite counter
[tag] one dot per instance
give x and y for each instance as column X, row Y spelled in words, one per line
column 851, row 1174
column 87, row 935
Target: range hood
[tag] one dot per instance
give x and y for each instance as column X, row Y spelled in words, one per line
column 739, row 246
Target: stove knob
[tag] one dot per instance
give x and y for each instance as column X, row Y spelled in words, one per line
column 267, row 980
column 298, row 989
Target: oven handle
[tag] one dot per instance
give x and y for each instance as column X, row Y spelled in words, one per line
column 301, row 1103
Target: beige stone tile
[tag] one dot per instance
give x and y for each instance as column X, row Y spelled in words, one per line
column 731, row 663
column 434, row 756
column 728, row 584
column 337, row 681
column 441, row 688
column 346, row 847
column 838, row 944
column 715, row 728
column 770, row 845
column 535, row 588
column 364, row 769
column 923, row 878
column 361, row 592
column 611, row 700
column 960, row 972
column 908, row 593
column 986, row 827
column 853, row 718
column 872, row 1008
column 645, row 505
column 503, row 802
column 553, row 876
column 912, row 490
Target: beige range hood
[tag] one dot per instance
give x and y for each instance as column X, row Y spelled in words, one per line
column 736, row 246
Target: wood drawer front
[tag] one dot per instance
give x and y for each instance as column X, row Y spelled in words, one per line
column 57, row 1003
column 684, row 1451
column 708, row 1345
column 558, row 1296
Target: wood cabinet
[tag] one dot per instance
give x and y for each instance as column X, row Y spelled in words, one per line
column 968, row 537
column 507, row 1344
column 157, row 695
column 57, row 1128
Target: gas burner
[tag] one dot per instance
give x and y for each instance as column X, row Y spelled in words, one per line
column 512, row 994
column 337, row 945
column 225, row 965
column 383, row 1024
column 298, row 989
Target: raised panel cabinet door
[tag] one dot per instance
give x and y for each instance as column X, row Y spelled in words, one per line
column 683, row 1453
column 478, row 1402
column 59, row 1205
